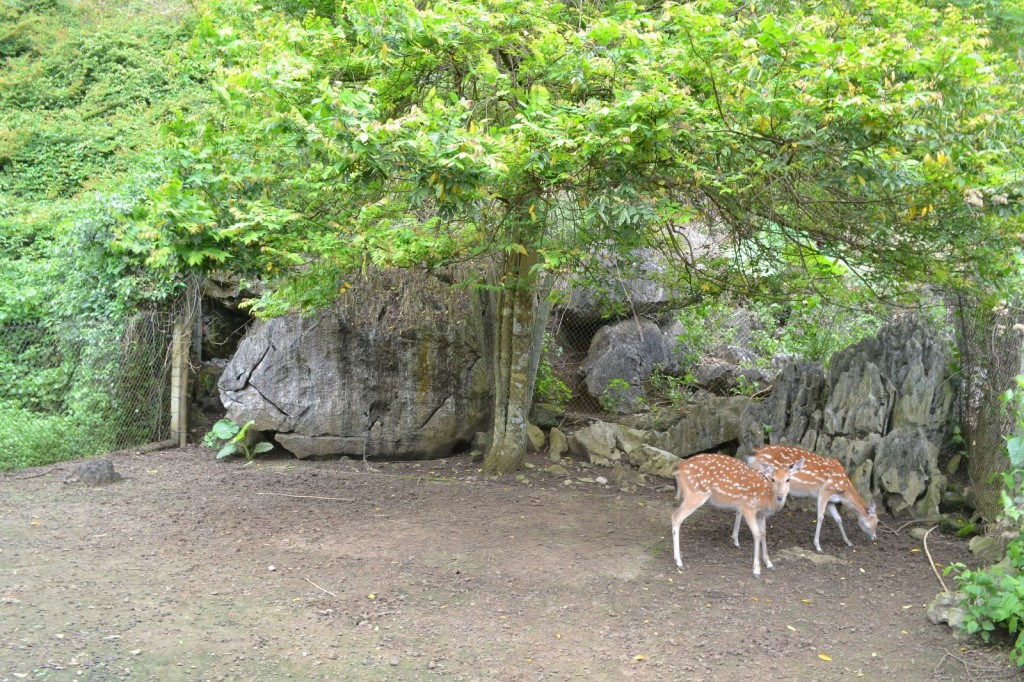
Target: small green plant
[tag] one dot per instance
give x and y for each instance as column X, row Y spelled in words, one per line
column 745, row 386
column 230, row 438
column 618, row 395
column 549, row 388
column 993, row 597
column 675, row 389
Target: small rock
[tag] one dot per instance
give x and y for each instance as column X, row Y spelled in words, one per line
column 601, row 480
column 989, row 550
column 945, row 608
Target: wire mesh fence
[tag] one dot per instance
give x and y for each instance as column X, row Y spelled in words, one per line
column 80, row 389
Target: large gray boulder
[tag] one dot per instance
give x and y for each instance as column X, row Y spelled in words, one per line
column 621, row 358
column 398, row 369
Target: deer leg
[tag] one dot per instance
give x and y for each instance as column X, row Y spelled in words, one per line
column 822, row 504
column 736, row 529
column 689, row 505
column 761, row 521
column 839, row 522
column 750, row 516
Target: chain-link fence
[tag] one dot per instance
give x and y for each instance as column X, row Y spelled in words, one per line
column 80, row 389
column 990, row 360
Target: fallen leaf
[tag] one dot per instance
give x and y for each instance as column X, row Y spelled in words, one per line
column 825, row 657
column 790, row 627
column 915, row 550
column 640, row 657
column 806, row 601
column 908, row 606
column 372, row 595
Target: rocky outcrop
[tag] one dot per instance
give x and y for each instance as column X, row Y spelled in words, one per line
column 883, row 409
column 399, row 369
column 792, row 414
column 707, row 426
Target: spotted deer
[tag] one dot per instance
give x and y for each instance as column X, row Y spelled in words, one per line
column 728, row 483
column 820, row 477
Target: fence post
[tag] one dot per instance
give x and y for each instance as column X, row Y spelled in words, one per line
column 180, row 345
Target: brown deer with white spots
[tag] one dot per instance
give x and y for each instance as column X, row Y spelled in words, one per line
column 820, row 477
column 728, row 483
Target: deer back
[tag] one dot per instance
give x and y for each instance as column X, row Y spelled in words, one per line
column 730, row 484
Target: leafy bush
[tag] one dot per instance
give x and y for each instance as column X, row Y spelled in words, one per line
column 34, row 439
column 813, row 328
column 993, row 597
column 84, row 90
column 549, row 388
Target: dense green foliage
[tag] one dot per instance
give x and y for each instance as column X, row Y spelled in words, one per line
column 84, row 90
column 884, row 135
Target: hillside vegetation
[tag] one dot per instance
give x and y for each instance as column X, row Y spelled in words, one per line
column 85, row 89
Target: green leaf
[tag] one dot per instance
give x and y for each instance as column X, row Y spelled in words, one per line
column 228, row 450
column 224, row 429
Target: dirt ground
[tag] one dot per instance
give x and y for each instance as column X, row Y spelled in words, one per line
column 192, row 569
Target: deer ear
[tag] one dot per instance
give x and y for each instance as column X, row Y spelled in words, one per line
column 796, row 466
column 765, row 469
column 871, row 509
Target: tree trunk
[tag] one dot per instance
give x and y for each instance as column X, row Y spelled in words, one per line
column 520, row 310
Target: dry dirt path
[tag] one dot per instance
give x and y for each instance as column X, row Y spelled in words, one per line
column 196, row 570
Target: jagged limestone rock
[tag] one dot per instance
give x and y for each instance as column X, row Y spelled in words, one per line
column 791, row 415
column 93, row 472
column 886, row 400
column 595, row 443
column 945, row 608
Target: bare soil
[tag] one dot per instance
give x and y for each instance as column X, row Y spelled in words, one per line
column 192, row 569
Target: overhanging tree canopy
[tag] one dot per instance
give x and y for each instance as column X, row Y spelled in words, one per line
column 880, row 133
